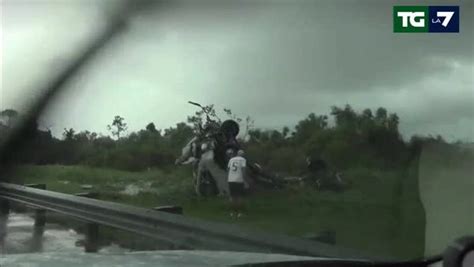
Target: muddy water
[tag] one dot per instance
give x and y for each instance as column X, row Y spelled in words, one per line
column 19, row 237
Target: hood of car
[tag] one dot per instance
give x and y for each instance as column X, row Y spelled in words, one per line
column 181, row 258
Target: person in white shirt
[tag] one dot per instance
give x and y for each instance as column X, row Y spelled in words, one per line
column 237, row 183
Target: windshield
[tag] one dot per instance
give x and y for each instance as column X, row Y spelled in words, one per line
column 315, row 120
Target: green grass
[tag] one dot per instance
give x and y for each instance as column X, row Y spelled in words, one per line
column 366, row 217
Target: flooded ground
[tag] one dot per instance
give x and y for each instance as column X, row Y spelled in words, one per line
column 19, row 237
column 61, row 246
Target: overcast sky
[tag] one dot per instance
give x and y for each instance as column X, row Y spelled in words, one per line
column 276, row 62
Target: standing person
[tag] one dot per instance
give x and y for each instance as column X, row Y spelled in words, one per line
column 236, row 178
column 317, row 169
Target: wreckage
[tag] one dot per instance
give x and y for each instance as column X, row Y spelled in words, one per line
column 208, row 153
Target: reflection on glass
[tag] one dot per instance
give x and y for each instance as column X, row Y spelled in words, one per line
column 346, row 139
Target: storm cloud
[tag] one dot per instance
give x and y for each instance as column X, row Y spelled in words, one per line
column 272, row 60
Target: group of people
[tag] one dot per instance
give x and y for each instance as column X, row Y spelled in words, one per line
column 214, row 178
column 237, row 178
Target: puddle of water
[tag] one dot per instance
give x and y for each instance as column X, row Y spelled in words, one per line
column 131, row 190
column 135, row 189
column 19, row 237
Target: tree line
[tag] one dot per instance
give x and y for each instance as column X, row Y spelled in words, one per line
column 368, row 139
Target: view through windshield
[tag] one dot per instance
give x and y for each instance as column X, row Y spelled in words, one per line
column 309, row 119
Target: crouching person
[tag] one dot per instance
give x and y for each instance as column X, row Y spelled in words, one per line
column 237, row 184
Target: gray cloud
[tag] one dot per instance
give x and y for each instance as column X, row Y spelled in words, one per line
column 276, row 62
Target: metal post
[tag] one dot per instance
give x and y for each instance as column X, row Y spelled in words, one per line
column 174, row 210
column 4, row 207
column 4, row 211
column 92, row 229
column 40, row 222
column 92, row 237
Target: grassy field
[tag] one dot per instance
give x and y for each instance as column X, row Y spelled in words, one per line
column 367, row 217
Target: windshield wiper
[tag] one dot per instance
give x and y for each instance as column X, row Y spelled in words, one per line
column 117, row 22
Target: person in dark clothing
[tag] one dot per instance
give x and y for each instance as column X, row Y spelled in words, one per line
column 320, row 174
column 316, row 165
